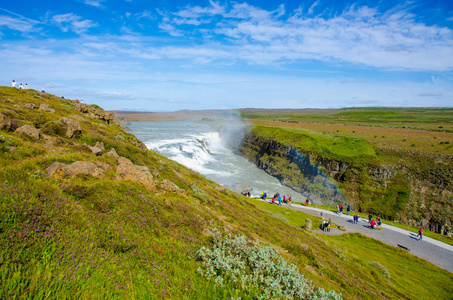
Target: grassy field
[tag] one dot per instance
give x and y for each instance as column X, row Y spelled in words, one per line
column 88, row 236
column 422, row 129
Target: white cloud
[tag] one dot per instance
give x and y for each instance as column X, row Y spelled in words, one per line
column 358, row 35
column 310, row 10
column 72, row 22
column 96, row 3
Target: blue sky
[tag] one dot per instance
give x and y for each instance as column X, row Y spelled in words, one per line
column 170, row 55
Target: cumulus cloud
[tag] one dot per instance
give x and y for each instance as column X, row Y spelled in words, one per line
column 72, row 22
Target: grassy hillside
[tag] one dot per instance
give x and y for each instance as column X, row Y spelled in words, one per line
column 103, row 234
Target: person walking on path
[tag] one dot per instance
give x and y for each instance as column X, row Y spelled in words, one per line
column 13, row 84
column 420, row 233
column 370, row 217
column 348, row 209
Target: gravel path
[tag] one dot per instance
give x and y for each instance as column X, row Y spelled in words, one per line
column 434, row 251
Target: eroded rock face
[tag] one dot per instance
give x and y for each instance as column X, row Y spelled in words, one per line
column 74, row 128
column 96, row 169
column 129, row 171
column 29, row 131
column 5, row 122
column 46, row 107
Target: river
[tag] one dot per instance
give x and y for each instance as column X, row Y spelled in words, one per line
column 203, row 149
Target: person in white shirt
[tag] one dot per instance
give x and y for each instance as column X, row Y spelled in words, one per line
column 13, row 84
column 26, row 86
column 21, row 86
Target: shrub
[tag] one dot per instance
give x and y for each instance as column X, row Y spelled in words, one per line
column 251, row 267
column 54, row 128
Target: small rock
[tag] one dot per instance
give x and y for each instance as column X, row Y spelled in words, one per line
column 29, row 131
column 46, row 107
column 112, row 152
column 308, row 224
column 74, row 128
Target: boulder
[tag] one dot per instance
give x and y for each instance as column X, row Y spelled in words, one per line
column 74, row 128
column 46, row 107
column 30, row 105
column 308, row 224
column 129, row 171
column 96, row 169
column 342, row 228
column 97, row 148
column 170, row 186
column 112, row 152
column 29, row 131
column 5, row 122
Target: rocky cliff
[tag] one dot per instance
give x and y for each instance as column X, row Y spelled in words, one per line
column 407, row 186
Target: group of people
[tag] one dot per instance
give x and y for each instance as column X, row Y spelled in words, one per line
column 374, row 224
column 280, row 199
column 325, row 226
column 340, row 209
column 21, row 86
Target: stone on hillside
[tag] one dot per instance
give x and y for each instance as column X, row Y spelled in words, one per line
column 46, row 107
column 170, row 186
column 304, row 247
column 79, row 167
column 29, row 131
column 30, row 105
column 100, row 145
column 112, row 152
column 74, row 128
column 342, row 228
column 308, row 224
column 5, row 122
column 129, row 171
column 96, row 150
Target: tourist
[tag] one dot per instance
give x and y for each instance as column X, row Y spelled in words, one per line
column 306, row 202
column 21, row 86
column 348, row 209
column 370, row 217
column 26, row 86
column 420, row 233
column 13, row 84
column 329, row 225
column 338, row 209
column 341, row 209
column 379, row 221
column 373, row 224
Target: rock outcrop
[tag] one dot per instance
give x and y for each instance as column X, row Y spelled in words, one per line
column 46, row 107
column 74, row 130
column 130, row 171
column 95, row 169
column 29, row 131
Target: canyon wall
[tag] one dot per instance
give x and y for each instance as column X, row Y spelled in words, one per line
column 409, row 187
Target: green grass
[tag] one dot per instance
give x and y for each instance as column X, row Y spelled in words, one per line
column 86, row 237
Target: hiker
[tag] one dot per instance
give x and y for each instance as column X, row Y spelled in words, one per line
column 328, row 225
column 420, row 233
column 306, row 202
column 338, row 209
column 373, row 224
column 13, row 84
column 354, row 221
column 289, row 200
column 370, row 217
column 324, row 225
column 341, row 209
column 279, row 200
column 348, row 209
column 26, row 86
column 21, row 86
column 379, row 221
column 273, row 199
column 284, row 199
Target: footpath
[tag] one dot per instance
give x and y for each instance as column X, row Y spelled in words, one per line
column 432, row 250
